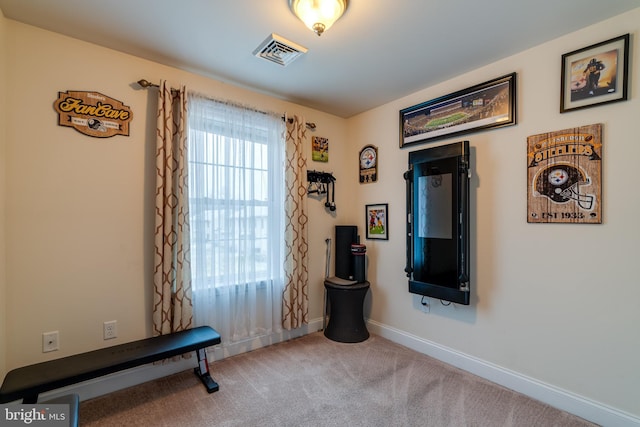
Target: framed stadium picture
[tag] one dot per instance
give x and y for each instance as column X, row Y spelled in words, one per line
column 487, row 105
column 595, row 75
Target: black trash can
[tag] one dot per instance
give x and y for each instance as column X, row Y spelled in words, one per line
column 346, row 315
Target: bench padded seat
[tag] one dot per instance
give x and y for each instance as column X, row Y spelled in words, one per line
column 29, row 381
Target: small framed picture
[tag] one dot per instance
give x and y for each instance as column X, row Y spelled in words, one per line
column 319, row 149
column 377, row 217
column 595, row 75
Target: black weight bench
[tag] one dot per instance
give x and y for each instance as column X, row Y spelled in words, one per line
column 27, row 382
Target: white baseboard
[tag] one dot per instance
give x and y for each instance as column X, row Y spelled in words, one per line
column 218, row 352
column 570, row 402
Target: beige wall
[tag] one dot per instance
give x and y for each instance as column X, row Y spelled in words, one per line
column 3, row 139
column 78, row 218
column 558, row 302
column 79, row 209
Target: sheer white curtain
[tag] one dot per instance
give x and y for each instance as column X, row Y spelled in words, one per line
column 236, row 202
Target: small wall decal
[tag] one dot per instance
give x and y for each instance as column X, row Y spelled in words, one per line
column 93, row 113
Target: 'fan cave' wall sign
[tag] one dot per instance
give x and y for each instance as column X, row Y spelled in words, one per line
column 93, row 113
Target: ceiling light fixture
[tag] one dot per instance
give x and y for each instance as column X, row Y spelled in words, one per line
column 318, row 15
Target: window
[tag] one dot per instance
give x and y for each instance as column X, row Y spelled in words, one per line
column 236, row 210
column 231, row 209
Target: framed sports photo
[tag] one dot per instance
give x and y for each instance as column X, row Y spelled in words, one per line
column 319, row 149
column 595, row 75
column 377, row 220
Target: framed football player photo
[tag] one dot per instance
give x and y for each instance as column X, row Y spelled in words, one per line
column 376, row 217
column 595, row 75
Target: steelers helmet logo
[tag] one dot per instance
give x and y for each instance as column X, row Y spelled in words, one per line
column 96, row 124
column 562, row 184
column 558, row 177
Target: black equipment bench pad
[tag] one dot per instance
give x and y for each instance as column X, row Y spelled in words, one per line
column 29, row 381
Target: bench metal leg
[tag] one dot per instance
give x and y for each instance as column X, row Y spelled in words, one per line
column 73, row 400
column 202, row 371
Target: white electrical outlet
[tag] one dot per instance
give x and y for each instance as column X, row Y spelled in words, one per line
column 110, row 329
column 50, row 341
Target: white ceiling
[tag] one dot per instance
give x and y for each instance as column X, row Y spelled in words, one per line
column 380, row 50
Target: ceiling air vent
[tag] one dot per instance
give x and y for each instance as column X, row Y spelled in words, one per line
column 279, row 50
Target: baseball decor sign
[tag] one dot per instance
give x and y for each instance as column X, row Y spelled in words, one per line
column 564, row 172
column 93, row 113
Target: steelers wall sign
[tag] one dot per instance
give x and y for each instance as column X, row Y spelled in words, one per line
column 93, row 113
column 564, row 172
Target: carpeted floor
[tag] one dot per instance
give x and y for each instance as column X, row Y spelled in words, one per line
column 313, row 381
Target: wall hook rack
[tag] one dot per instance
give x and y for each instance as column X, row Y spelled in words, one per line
column 323, row 183
column 320, row 177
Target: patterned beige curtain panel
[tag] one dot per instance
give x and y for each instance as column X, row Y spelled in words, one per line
column 172, row 302
column 296, row 292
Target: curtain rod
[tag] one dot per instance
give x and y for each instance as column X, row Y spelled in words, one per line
column 146, row 84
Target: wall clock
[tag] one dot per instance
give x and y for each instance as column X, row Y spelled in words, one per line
column 368, row 164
